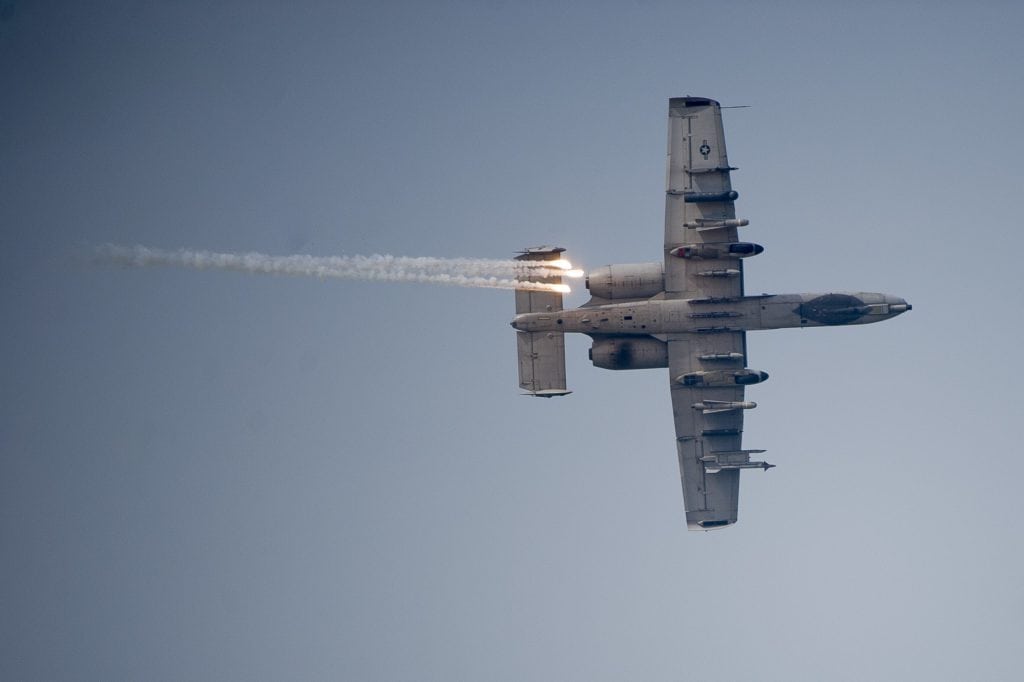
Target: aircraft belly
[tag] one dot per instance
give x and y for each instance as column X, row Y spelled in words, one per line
column 689, row 313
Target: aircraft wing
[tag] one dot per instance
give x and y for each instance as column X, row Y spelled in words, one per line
column 699, row 201
column 707, row 400
column 709, row 428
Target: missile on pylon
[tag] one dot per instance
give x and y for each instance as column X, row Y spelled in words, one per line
column 716, row 406
column 722, row 377
column 717, row 250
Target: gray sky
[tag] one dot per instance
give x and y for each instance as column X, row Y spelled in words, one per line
column 210, row 475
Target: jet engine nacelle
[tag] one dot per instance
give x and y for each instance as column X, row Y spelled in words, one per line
column 638, row 353
column 633, row 280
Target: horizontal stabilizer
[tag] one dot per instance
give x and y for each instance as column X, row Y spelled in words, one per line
column 542, row 363
column 541, row 354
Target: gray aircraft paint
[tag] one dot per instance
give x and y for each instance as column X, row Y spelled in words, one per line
column 689, row 315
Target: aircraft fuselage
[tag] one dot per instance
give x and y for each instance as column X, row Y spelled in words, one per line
column 746, row 313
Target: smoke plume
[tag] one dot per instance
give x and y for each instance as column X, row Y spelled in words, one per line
column 462, row 272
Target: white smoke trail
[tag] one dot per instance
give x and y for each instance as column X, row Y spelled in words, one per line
column 464, row 272
column 466, row 266
column 470, row 267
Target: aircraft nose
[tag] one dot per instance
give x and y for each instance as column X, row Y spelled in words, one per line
column 899, row 305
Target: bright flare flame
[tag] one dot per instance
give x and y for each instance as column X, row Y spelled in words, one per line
column 552, row 268
column 561, row 264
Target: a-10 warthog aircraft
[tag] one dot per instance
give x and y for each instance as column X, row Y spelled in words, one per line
column 688, row 314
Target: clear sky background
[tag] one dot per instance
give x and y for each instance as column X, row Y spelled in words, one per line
column 218, row 476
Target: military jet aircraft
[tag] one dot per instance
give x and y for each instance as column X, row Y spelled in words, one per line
column 688, row 313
